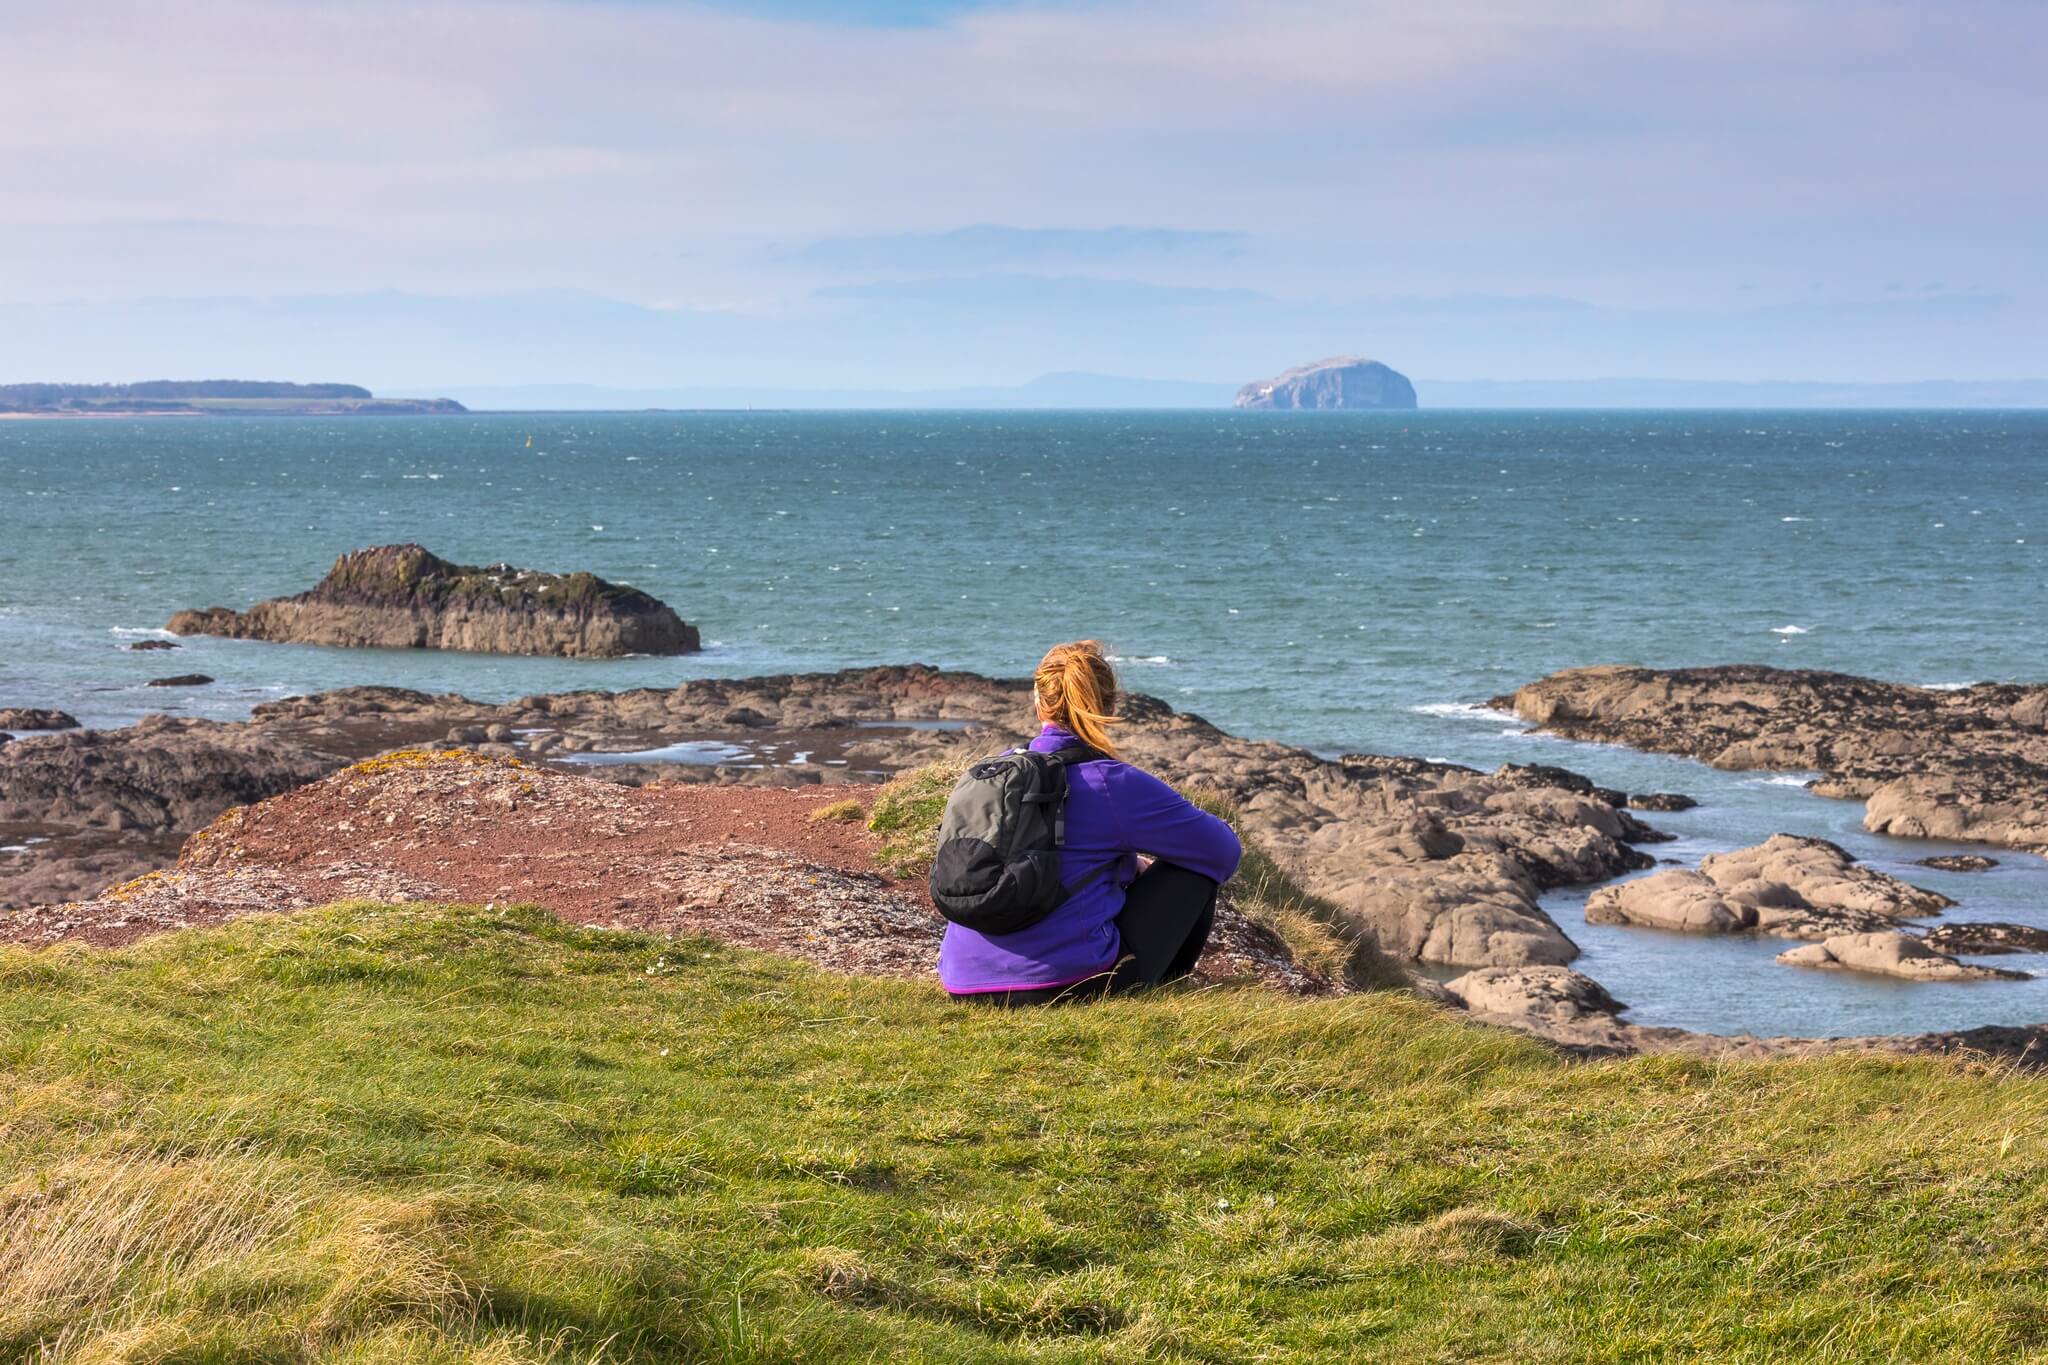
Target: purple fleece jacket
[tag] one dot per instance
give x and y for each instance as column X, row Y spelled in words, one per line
column 1114, row 813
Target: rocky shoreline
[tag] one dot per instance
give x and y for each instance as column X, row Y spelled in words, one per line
column 1438, row 864
column 405, row 597
column 1967, row 764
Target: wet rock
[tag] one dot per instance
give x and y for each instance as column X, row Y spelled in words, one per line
column 182, row 680
column 1788, row 886
column 1660, row 801
column 1969, row 764
column 146, row 646
column 404, row 597
column 1987, row 937
column 1890, row 953
column 1958, row 862
column 19, row 718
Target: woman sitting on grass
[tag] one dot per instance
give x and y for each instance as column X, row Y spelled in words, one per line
column 1144, row 862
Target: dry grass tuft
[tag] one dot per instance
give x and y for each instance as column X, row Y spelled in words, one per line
column 842, row 812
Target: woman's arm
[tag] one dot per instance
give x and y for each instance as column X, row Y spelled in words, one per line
column 1158, row 820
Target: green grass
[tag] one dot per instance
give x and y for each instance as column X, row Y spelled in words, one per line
column 430, row 1133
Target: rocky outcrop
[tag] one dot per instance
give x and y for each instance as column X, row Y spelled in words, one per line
column 1788, row 886
column 754, row 867
column 403, row 597
column 1969, row 764
column 1890, row 953
column 1557, row 994
column 21, row 718
column 1342, row 382
column 103, row 805
column 1437, row 862
column 1986, row 937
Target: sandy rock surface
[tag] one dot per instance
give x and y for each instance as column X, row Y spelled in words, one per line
column 1789, row 886
column 1890, row 953
column 1970, row 764
column 1555, row 993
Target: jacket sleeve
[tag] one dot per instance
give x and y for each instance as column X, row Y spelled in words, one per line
column 1159, row 821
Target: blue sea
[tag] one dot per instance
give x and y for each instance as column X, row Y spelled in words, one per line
column 1349, row 582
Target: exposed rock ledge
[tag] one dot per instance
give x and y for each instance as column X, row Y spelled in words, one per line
column 1438, row 862
column 1572, row 1012
column 1969, row 764
column 1789, row 886
column 1891, row 953
column 404, row 597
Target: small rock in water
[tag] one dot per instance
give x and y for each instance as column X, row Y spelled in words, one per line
column 1890, row 953
column 142, row 646
column 1958, row 862
column 35, row 718
column 1660, row 801
column 1989, row 937
column 182, row 680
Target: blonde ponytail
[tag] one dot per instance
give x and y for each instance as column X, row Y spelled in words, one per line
column 1077, row 691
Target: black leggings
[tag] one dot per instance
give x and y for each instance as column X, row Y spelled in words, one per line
column 1164, row 925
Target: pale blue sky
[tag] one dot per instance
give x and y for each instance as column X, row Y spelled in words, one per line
column 921, row 194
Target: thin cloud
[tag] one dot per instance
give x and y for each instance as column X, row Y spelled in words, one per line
column 989, row 246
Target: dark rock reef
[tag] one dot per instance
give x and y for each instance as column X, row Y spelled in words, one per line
column 404, row 597
column 1340, row 383
column 35, row 718
column 1965, row 765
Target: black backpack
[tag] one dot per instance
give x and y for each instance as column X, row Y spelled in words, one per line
column 998, row 865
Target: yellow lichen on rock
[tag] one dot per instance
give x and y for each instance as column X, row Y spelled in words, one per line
column 399, row 760
column 146, row 882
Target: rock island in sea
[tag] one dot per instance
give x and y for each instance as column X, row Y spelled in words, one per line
column 1341, row 383
column 405, row 597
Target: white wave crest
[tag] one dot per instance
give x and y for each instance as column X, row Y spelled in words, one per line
column 1461, row 710
column 1788, row 630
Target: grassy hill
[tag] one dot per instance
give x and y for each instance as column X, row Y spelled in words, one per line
column 370, row 1133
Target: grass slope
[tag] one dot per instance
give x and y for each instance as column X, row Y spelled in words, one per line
column 439, row 1133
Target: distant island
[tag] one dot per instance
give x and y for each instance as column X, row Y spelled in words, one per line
column 1342, row 383
column 214, row 397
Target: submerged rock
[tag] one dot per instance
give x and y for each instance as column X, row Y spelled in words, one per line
column 1342, row 382
column 403, row 597
column 181, row 680
column 1969, row 764
column 1789, row 886
column 1890, row 953
column 145, row 646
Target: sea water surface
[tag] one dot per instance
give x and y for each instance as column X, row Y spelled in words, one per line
column 1350, row 582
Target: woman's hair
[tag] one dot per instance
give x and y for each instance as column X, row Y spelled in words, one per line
column 1077, row 691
